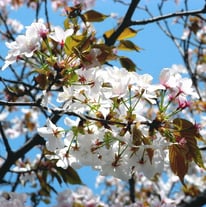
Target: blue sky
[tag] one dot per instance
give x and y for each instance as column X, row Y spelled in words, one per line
column 158, row 50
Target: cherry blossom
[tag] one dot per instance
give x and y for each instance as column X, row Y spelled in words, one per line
column 59, row 35
column 86, row 4
column 25, row 169
column 25, row 45
column 16, row 25
column 100, row 108
column 53, row 134
column 201, row 34
column 167, row 79
column 83, row 196
column 12, row 199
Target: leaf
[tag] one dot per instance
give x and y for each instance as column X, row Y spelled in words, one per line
column 106, row 54
column 128, row 45
column 189, row 131
column 178, row 161
column 41, row 79
column 128, row 64
column 69, row 175
column 94, row 16
column 71, row 42
column 194, row 151
column 197, row 157
column 185, row 127
column 127, row 33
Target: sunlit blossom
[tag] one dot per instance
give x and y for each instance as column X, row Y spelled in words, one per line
column 25, row 45
column 53, row 134
column 59, row 35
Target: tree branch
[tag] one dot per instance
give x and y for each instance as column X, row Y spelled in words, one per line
column 132, row 189
column 125, row 23
column 14, row 156
column 8, row 103
column 167, row 16
column 198, row 201
column 5, row 140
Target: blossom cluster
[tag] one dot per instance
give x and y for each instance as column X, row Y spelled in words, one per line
column 83, row 196
column 113, row 130
column 116, row 121
column 12, row 199
column 116, row 100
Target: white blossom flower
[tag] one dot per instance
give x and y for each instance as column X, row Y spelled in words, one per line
column 53, row 134
column 201, row 34
column 59, row 35
column 12, row 199
column 16, row 25
column 86, row 4
column 25, row 45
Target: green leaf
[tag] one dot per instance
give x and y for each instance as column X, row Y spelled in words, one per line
column 128, row 64
column 94, row 16
column 128, row 45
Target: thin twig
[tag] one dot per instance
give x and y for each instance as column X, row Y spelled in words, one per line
column 167, row 16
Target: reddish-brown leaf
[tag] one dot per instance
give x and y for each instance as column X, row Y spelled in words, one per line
column 178, row 161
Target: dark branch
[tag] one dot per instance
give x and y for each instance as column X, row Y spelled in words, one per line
column 5, row 140
column 7, row 103
column 198, row 201
column 125, row 23
column 132, row 189
column 167, row 16
column 14, row 156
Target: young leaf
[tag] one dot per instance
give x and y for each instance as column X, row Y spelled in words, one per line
column 185, row 127
column 189, row 131
column 106, row 53
column 128, row 64
column 71, row 42
column 127, row 33
column 128, row 45
column 94, row 16
column 178, row 161
column 194, row 151
column 69, row 175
